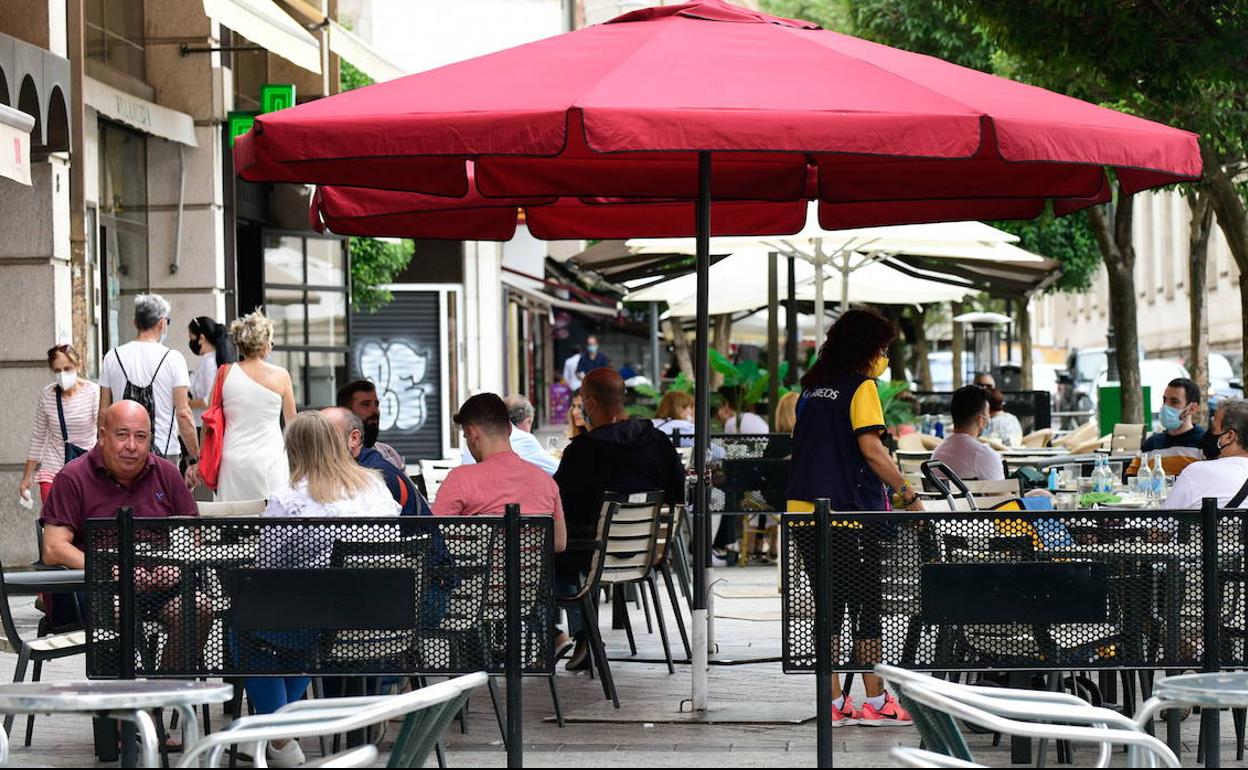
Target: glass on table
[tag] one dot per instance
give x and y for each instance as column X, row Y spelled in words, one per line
column 1084, row 486
column 1066, row 501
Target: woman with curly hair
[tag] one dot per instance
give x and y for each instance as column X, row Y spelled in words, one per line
column 838, row 453
column 256, row 395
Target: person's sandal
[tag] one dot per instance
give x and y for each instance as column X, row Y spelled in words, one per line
column 580, row 660
column 564, row 644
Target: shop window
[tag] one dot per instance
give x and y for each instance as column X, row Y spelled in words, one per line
column 122, row 230
column 306, row 295
column 114, row 35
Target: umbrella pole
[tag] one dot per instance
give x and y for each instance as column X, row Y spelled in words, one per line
column 701, row 436
column 845, row 271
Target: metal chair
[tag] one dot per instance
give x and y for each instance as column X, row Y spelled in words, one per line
column 906, row 756
column 936, row 704
column 239, row 508
column 37, row 650
column 1127, row 437
column 427, row 712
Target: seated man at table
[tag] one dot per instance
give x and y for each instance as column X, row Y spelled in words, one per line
column 1179, row 441
column 122, row 471
column 962, row 450
column 619, row 454
column 1224, row 471
column 523, row 442
column 404, row 492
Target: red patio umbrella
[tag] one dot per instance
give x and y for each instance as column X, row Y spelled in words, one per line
column 645, row 106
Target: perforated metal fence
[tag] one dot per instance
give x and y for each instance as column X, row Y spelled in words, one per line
column 342, row 596
column 1015, row 590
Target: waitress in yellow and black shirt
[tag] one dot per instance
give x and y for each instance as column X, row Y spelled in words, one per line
column 838, row 453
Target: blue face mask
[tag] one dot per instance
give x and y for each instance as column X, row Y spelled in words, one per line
column 1170, row 417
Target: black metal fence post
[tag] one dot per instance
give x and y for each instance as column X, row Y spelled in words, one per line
column 823, row 631
column 125, row 612
column 1210, row 718
column 515, row 675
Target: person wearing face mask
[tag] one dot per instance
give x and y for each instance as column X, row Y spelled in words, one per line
column 209, row 341
column 1179, row 440
column 1224, row 471
column 147, row 372
column 839, row 454
column 65, row 421
column 592, row 358
column 962, row 450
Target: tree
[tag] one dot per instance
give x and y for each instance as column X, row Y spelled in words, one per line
column 374, row 263
column 1198, row 200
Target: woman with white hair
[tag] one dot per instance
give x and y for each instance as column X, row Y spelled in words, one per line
column 255, row 395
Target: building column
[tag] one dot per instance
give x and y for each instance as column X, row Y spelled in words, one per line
column 35, row 307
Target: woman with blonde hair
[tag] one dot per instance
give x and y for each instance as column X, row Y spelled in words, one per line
column 324, row 481
column 256, row 396
column 786, row 412
column 576, row 417
column 675, row 413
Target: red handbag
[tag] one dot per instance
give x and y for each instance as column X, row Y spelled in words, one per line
column 212, row 435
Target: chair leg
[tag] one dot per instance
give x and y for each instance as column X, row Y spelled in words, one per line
column 440, row 752
column 19, row 675
column 599, row 652
column 628, row 624
column 1238, row 715
column 554, row 696
column 502, row 725
column 30, row 718
column 645, row 604
column 683, row 570
column 680, row 616
column 658, row 612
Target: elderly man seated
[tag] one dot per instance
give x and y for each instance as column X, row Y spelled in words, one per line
column 962, row 450
column 523, row 442
column 404, row 492
column 121, row 470
column 1224, row 471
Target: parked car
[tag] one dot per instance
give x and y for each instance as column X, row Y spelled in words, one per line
column 1222, row 381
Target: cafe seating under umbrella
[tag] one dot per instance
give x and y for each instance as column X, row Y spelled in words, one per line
column 703, row 105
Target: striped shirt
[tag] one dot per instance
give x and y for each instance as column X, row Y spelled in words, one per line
column 81, row 410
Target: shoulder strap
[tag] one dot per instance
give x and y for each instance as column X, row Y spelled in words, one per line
column 117, row 358
column 60, row 413
column 1239, row 497
column 162, row 363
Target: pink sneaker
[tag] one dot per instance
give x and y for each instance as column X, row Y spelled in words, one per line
column 846, row 715
column 890, row 714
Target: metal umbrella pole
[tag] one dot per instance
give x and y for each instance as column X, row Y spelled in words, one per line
column 701, row 436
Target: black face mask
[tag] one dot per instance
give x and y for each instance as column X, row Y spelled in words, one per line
column 194, row 345
column 371, row 430
column 1209, row 444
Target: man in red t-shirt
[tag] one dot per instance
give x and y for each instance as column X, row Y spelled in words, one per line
column 499, row 476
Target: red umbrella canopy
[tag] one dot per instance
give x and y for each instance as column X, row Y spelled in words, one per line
column 786, row 109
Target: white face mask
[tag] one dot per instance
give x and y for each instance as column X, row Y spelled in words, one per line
column 67, row 380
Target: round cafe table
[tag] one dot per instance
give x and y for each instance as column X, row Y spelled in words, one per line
column 1210, row 691
column 126, row 700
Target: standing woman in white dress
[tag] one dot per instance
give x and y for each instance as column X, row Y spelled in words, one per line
column 256, row 397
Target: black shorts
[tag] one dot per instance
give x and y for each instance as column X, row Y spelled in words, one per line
column 856, row 580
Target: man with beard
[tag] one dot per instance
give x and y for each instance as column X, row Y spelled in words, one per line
column 360, row 397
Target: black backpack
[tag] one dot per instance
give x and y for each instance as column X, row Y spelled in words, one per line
column 143, row 395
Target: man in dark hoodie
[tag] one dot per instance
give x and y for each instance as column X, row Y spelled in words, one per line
column 618, row 454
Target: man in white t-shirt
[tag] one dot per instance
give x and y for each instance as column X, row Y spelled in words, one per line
column 962, row 450
column 1225, row 470
column 146, row 362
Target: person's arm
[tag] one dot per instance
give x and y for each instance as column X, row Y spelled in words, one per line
column 867, row 419
column 59, row 549
column 448, row 501
column 186, row 420
column 28, row 474
column 288, row 400
column 530, row 448
column 106, row 400
column 561, row 534
column 38, row 442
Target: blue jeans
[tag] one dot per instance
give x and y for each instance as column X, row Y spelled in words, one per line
column 270, row 693
column 564, row 589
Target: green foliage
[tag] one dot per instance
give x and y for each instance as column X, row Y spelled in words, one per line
column 375, row 263
column 897, row 411
column 1068, row 239
column 350, row 77
column 748, row 377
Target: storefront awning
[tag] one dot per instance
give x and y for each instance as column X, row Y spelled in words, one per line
column 139, row 113
column 352, row 48
column 268, row 26
column 15, row 127
column 536, row 291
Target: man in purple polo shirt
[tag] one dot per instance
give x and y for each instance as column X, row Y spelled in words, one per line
column 120, row 471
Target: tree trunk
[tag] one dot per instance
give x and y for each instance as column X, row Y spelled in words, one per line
column 959, row 340
column 1118, row 252
column 1233, row 219
column 721, row 340
column 680, row 346
column 1022, row 328
column 922, row 366
column 1197, row 296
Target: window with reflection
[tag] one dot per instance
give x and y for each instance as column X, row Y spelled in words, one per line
column 306, row 294
column 114, row 35
column 122, row 218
